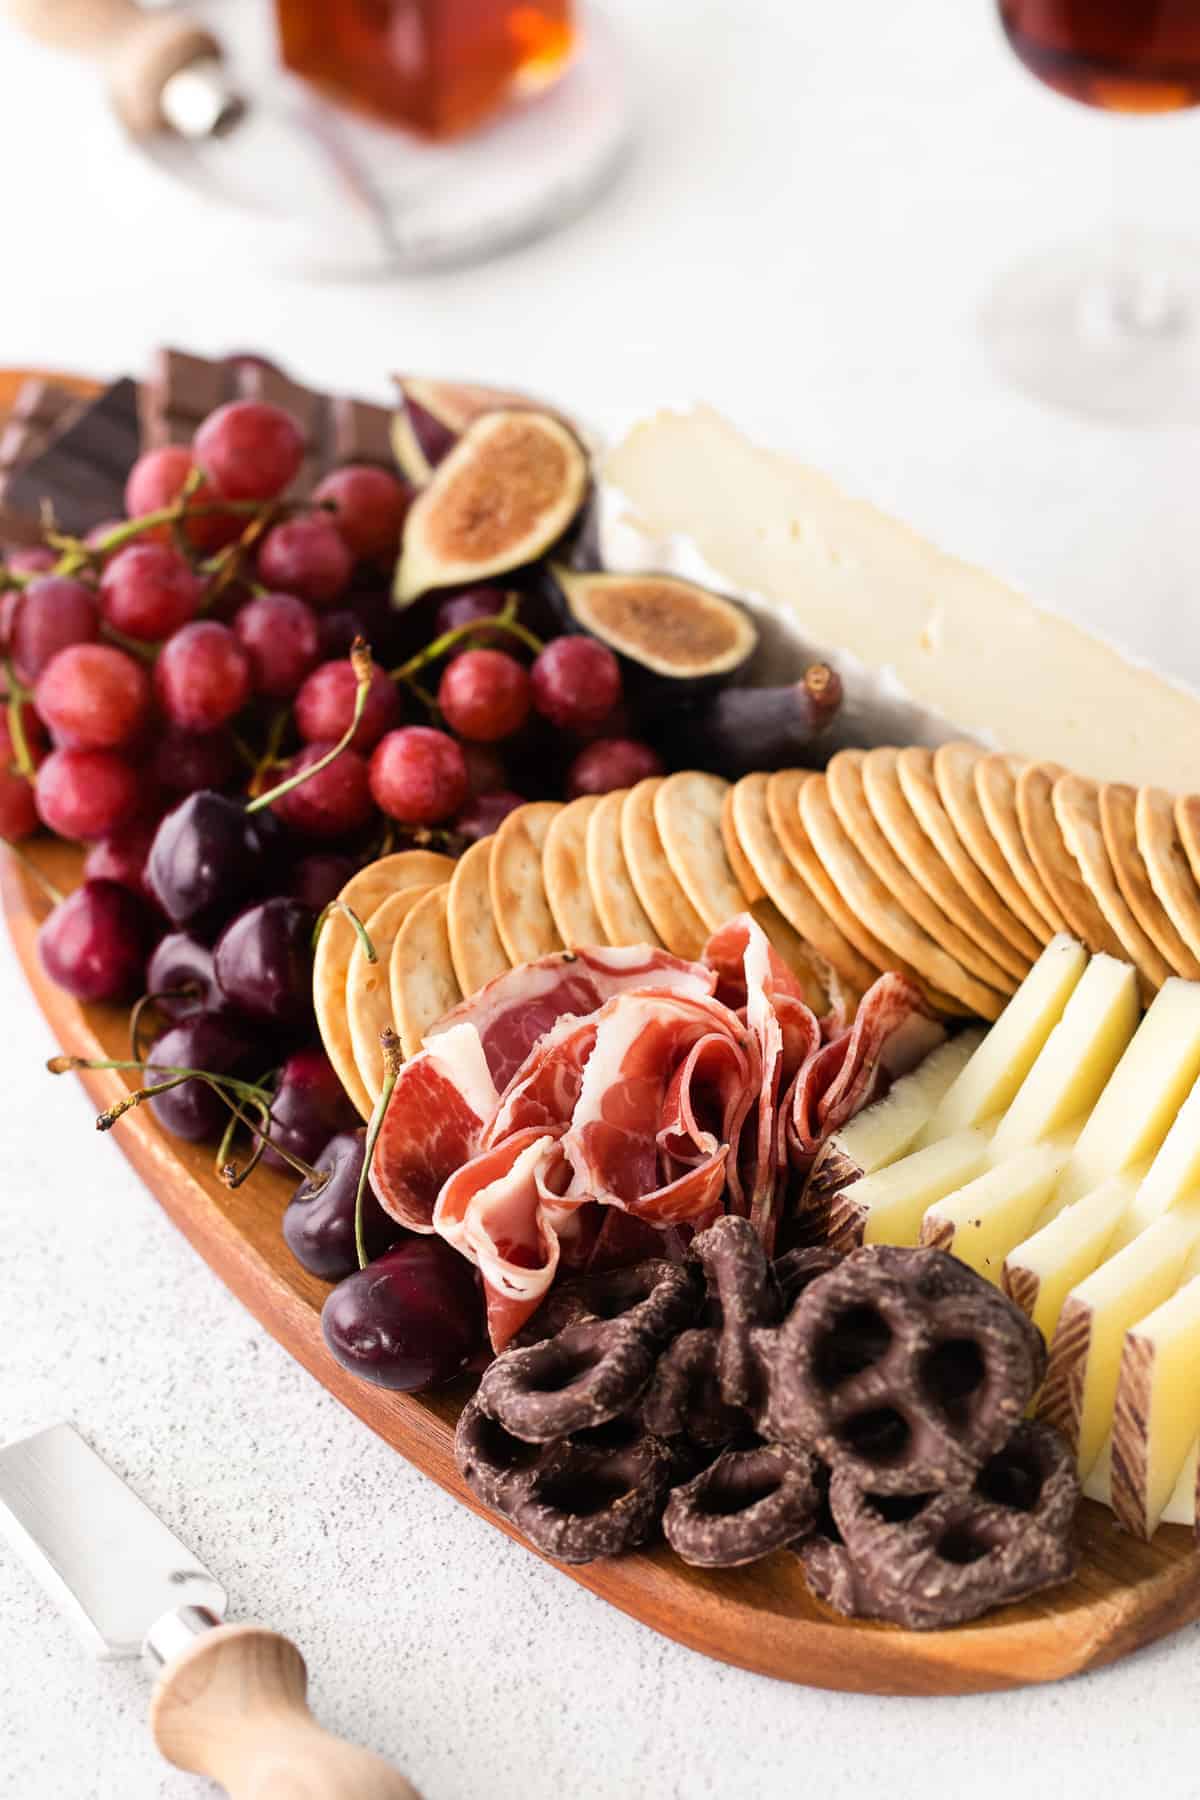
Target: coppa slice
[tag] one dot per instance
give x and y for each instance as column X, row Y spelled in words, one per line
column 1077, row 1058
column 991, row 1079
column 424, row 985
column 1081, row 1382
column 862, row 890
column 519, row 905
column 920, row 858
column 363, row 893
column 1166, row 864
column 675, row 919
column 1118, row 821
column 915, row 771
column 996, row 779
column 622, row 914
column 564, row 872
column 888, row 1206
column 1156, row 1414
column 369, row 990
column 1040, row 1273
column 475, row 947
column 980, row 1223
column 1077, row 809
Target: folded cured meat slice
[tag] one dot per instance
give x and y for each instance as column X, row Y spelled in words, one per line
column 893, row 1031
column 543, row 1092
column 512, row 1012
column 501, row 1211
column 434, row 1123
column 636, row 1095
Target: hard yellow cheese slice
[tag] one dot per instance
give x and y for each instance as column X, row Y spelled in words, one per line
column 1004, row 1058
column 1174, row 1174
column 1181, row 1507
column 1039, row 1273
column 1156, row 1414
column 980, row 1223
column 888, row 1206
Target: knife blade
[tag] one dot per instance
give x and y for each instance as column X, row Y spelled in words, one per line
column 230, row 1699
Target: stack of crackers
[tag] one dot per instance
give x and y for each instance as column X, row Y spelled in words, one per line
column 953, row 866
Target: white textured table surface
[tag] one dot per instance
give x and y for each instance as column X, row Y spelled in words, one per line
column 822, row 195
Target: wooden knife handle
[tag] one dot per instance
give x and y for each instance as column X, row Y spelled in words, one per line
column 232, row 1706
column 138, row 50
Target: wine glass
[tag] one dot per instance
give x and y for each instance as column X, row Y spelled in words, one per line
column 1109, row 328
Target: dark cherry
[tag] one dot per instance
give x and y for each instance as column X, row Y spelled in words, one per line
column 206, row 859
column 317, row 879
column 180, row 975
column 263, row 962
column 482, row 814
column 309, row 1106
column 411, row 1319
column 193, row 1110
column 318, row 1227
column 94, row 943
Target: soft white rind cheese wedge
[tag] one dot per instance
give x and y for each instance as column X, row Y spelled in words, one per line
column 887, row 1207
column 872, row 597
column 1077, row 1058
column 1039, row 1273
column 1156, row 1413
column 1133, row 1115
column 980, row 1223
column 1085, row 1356
column 1174, row 1174
column 995, row 1072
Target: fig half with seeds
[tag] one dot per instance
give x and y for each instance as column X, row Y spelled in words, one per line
column 505, row 495
column 670, row 632
column 433, row 415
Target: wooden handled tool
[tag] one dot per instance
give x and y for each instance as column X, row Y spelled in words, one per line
column 164, row 71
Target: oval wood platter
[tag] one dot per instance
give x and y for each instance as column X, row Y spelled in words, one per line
column 763, row 1618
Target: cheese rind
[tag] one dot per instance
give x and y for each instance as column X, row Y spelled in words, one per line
column 1156, row 1413
column 888, row 1206
column 1077, row 1058
column 1040, row 1273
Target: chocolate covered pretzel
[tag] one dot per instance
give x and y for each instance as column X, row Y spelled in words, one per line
column 743, row 1506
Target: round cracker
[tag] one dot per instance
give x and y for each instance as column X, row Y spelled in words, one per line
column 771, row 865
column 475, row 948
column 369, row 990
column 1076, row 804
column 622, row 914
column 1057, row 869
column 363, row 893
column 739, row 862
column 885, row 916
column 519, row 904
column 954, row 767
column 921, row 857
column 915, row 771
column 996, row 780
column 424, row 985
column 672, row 914
column 687, row 812
column 1118, row 822
column 1187, row 823
column 847, row 794
column 1167, row 863
column 564, row 871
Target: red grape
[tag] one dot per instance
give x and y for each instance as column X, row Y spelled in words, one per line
column 333, row 802
column 249, row 450
column 121, row 857
column 157, row 479
column 279, row 635
column 94, row 942
column 418, row 776
column 466, row 608
column 611, row 763
column 148, row 591
column 18, row 810
column 202, row 676
column 93, row 697
column 30, row 559
column 35, row 731
column 486, row 772
column 318, row 878
column 325, row 706
column 484, row 695
column 86, row 793
column 51, row 613
column 575, row 682
column 484, row 812
column 371, row 508
column 306, row 556
column 336, row 631
column 183, row 761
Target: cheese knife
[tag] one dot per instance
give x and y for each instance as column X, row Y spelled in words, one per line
column 229, row 1701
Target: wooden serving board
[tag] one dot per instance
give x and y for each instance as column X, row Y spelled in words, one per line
column 1126, row 1594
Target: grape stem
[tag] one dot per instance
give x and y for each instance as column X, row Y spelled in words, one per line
column 393, row 1061
column 18, row 694
column 360, row 659
column 503, row 621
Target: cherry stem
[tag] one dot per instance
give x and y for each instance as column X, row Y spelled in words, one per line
column 360, row 930
column 360, row 660
column 503, row 621
column 53, row 894
column 393, row 1062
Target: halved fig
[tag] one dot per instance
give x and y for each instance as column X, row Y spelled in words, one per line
column 665, row 627
column 434, row 414
column 505, row 495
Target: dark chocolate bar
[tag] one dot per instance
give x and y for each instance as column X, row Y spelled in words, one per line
column 81, row 474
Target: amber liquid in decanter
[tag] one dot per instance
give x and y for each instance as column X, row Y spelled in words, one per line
column 439, row 67
column 1123, row 55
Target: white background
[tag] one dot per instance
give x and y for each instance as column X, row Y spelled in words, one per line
column 822, row 195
